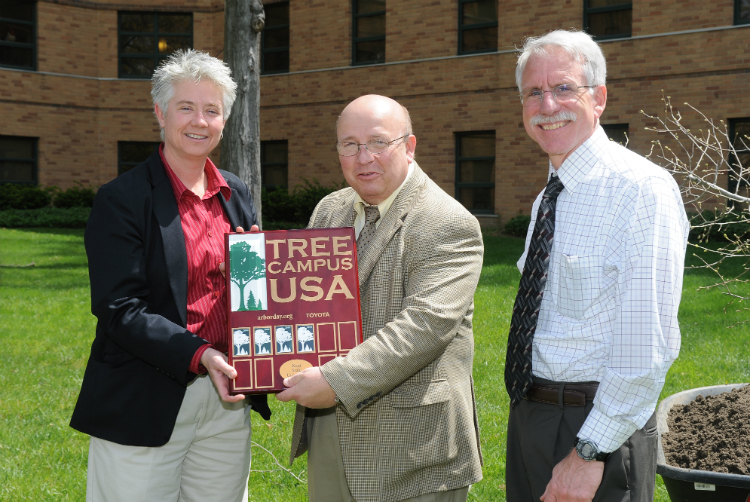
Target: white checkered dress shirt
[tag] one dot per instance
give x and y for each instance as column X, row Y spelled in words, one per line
column 609, row 310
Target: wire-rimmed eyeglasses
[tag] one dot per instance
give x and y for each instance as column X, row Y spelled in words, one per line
column 562, row 92
column 374, row 146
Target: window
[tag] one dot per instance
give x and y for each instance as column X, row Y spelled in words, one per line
column 617, row 133
column 368, row 31
column 477, row 26
column 741, row 11
column 739, row 131
column 18, row 160
column 146, row 38
column 605, row 19
column 475, row 171
column 132, row 153
column 274, row 172
column 18, row 34
column 274, row 39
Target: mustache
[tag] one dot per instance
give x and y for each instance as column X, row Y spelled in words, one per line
column 550, row 119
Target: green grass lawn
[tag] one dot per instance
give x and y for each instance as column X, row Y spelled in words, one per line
column 47, row 330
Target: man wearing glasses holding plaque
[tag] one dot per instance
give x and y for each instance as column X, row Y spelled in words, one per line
column 594, row 327
column 395, row 419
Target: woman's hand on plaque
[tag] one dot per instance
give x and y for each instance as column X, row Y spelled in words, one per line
column 220, row 372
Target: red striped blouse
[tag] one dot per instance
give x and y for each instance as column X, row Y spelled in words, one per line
column 204, row 225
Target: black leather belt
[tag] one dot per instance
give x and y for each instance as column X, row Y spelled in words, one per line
column 563, row 394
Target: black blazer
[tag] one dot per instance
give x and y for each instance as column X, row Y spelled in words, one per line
column 137, row 372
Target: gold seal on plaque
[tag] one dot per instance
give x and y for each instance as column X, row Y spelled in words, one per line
column 293, row 367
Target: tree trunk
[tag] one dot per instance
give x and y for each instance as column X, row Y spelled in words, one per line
column 240, row 147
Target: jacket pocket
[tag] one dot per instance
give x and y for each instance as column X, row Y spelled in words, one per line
column 580, row 283
column 421, row 423
column 411, row 396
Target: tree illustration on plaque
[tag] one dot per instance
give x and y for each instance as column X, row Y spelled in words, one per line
column 305, row 339
column 247, row 266
column 241, row 340
column 283, row 339
column 262, row 341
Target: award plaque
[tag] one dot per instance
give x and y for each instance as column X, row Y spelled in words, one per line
column 292, row 303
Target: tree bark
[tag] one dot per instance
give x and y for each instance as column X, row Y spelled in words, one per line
column 240, row 148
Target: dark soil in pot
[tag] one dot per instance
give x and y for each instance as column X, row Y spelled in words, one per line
column 711, row 433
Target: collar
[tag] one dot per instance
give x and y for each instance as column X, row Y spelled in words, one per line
column 583, row 159
column 383, row 207
column 216, row 182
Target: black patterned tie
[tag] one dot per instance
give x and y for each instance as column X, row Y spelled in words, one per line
column 372, row 215
column 529, row 298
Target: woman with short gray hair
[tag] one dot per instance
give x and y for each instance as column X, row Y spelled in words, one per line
column 155, row 396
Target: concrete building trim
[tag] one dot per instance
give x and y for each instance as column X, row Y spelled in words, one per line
column 340, row 68
column 83, row 4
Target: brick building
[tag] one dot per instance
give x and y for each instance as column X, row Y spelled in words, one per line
column 74, row 86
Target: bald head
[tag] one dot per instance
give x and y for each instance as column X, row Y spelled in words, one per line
column 384, row 105
column 380, row 120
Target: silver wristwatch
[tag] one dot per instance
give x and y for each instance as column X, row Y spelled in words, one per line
column 588, row 451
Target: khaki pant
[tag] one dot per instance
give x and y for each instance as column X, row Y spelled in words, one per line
column 207, row 457
column 326, row 479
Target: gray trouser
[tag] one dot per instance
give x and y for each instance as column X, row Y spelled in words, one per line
column 540, row 435
column 325, row 465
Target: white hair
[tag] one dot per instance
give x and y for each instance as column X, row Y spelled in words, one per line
column 578, row 44
column 192, row 65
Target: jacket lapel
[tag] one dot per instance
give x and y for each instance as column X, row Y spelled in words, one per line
column 168, row 216
column 391, row 224
column 230, row 211
column 345, row 216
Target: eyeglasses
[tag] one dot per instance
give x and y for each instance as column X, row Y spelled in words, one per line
column 562, row 92
column 374, row 146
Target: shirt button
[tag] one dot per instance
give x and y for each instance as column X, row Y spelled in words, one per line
column 216, row 294
column 210, row 234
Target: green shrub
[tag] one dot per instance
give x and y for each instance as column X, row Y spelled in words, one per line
column 53, row 217
column 283, row 210
column 18, row 196
column 74, row 197
column 278, row 205
column 720, row 228
column 518, row 225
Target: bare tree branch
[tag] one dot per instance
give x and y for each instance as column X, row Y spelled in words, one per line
column 703, row 163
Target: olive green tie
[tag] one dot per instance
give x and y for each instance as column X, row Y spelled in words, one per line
column 372, row 215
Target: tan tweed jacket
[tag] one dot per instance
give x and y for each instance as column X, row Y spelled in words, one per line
column 407, row 419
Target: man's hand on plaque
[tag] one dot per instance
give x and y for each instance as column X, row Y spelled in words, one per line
column 309, row 388
column 220, row 372
column 240, row 230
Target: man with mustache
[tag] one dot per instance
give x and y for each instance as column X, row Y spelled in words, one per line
column 594, row 327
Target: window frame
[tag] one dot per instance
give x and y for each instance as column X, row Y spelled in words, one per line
column 155, row 56
column 475, row 26
column 587, row 11
column 132, row 164
column 737, row 11
column 464, row 184
column 626, row 126
column 34, row 159
column 356, row 40
column 264, row 51
column 21, row 45
column 264, row 164
column 731, row 184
